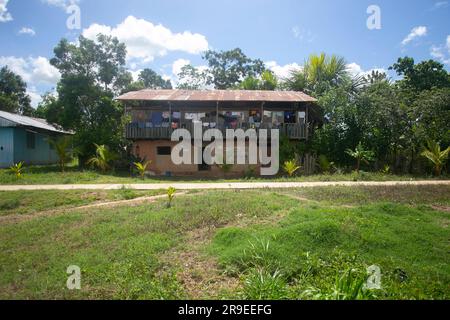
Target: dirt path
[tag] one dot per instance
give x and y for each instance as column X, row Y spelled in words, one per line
column 110, row 204
column 221, row 186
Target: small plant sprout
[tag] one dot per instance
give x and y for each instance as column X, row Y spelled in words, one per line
column 171, row 195
column 141, row 167
column 386, row 169
column 17, row 169
column 291, row 167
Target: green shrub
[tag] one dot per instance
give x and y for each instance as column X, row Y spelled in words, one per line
column 262, row 285
column 17, row 169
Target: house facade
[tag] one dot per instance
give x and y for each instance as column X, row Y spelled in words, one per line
column 26, row 139
column 155, row 114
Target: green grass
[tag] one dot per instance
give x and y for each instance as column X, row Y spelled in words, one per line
column 28, row 202
column 272, row 245
column 52, row 175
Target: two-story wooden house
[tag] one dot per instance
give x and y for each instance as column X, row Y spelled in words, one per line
column 156, row 113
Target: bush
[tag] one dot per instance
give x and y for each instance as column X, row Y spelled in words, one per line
column 262, row 285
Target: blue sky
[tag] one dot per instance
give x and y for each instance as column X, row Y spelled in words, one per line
column 164, row 35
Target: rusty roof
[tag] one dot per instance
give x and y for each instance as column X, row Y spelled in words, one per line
column 216, row 95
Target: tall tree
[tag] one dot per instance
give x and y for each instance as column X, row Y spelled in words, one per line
column 13, row 93
column 101, row 62
column 152, row 80
column 422, row 76
column 191, row 78
column 228, row 68
column 267, row 81
column 92, row 73
column 320, row 73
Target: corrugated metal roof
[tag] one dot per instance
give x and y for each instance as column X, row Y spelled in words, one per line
column 216, row 95
column 30, row 122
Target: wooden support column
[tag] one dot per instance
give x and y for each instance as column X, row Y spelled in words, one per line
column 170, row 117
column 307, row 121
column 262, row 113
column 217, row 115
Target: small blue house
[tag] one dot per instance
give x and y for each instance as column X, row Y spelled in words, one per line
column 27, row 139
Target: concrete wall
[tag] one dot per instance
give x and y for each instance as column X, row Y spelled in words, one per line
column 162, row 164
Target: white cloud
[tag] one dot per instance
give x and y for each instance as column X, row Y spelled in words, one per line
column 145, row 41
column 442, row 52
column 34, row 71
column 35, row 97
column 282, row 72
column 5, row 16
column 416, row 32
column 356, row 70
column 302, row 34
column 28, row 31
column 296, row 31
column 440, row 4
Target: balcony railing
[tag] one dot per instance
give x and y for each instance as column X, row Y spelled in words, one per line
column 136, row 132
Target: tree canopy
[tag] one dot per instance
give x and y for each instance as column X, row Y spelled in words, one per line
column 228, row 68
column 13, row 93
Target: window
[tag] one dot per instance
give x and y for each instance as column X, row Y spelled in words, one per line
column 31, row 140
column 164, row 151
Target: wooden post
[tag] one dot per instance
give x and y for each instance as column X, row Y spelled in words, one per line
column 307, row 121
column 262, row 113
column 217, row 115
column 170, row 117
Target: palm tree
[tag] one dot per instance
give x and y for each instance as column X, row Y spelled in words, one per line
column 319, row 73
column 433, row 153
column 361, row 155
column 102, row 159
column 63, row 150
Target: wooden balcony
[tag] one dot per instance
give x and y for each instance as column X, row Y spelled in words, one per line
column 135, row 132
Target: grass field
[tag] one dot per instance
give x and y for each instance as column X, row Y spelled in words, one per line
column 19, row 202
column 288, row 244
column 52, row 175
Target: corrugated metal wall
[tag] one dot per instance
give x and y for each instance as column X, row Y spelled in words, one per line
column 6, row 123
column 41, row 154
column 6, row 147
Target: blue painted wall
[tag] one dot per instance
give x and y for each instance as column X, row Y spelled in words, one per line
column 16, row 149
column 6, row 147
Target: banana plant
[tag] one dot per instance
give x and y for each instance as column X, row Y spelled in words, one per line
column 361, row 155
